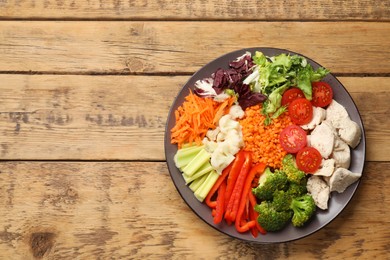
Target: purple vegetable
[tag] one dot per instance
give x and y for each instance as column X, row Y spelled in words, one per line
column 204, row 88
column 232, row 78
column 247, row 98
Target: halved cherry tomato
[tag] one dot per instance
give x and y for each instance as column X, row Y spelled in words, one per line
column 308, row 159
column 322, row 94
column 300, row 111
column 292, row 138
column 291, row 94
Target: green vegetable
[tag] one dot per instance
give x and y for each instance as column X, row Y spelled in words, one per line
column 206, row 168
column 197, row 171
column 273, row 76
column 293, row 173
column 206, row 186
column 304, row 208
column 271, row 219
column 196, row 163
column 269, row 182
column 281, row 200
column 284, row 197
column 296, row 190
column 184, row 155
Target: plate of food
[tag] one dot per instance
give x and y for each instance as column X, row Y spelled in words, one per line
column 265, row 145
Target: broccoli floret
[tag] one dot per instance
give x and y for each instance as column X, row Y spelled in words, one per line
column 294, row 175
column 281, row 200
column 303, row 208
column 271, row 219
column 269, row 182
column 296, row 190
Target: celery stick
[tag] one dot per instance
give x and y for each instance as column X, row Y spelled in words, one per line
column 197, row 183
column 206, row 186
column 185, row 155
column 201, row 158
column 206, row 168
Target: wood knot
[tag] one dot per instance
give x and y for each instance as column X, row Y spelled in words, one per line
column 41, row 243
column 134, row 64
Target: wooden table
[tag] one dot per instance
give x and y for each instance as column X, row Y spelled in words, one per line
column 85, row 89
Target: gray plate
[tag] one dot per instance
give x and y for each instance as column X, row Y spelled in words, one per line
column 337, row 202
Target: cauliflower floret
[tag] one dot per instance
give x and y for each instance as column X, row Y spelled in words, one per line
column 236, row 112
column 224, row 142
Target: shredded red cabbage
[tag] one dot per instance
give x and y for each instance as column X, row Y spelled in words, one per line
column 232, row 78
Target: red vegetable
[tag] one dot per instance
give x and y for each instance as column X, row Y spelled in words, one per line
column 241, row 224
column 308, row 159
column 300, row 111
column 221, row 179
column 322, row 94
column 234, row 201
column 220, row 207
column 293, row 138
column 255, row 214
column 234, row 172
column 290, row 95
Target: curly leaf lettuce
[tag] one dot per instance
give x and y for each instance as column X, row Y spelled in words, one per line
column 274, row 75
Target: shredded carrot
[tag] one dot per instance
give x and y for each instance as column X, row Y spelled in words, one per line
column 263, row 140
column 195, row 117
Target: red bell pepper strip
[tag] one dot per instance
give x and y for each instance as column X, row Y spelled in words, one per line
column 221, row 178
column 233, row 175
column 219, row 209
column 245, row 197
column 253, row 203
column 253, row 216
column 234, row 201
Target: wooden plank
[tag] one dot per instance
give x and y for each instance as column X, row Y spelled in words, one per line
column 198, row 9
column 121, row 210
column 184, row 47
column 49, row 117
column 85, row 117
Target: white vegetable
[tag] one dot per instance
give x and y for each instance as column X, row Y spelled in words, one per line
column 206, row 85
column 236, row 112
column 224, row 142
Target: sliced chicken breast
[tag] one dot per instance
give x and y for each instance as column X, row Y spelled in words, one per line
column 319, row 190
column 326, row 168
column 335, row 112
column 341, row 154
column 341, row 179
column 319, row 115
column 322, row 138
column 349, row 131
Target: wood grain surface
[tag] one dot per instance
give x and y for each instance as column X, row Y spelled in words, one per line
column 85, row 90
column 150, row 47
column 111, row 210
column 67, row 117
column 197, row 9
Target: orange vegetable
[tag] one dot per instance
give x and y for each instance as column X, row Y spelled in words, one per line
column 263, row 140
column 195, row 117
